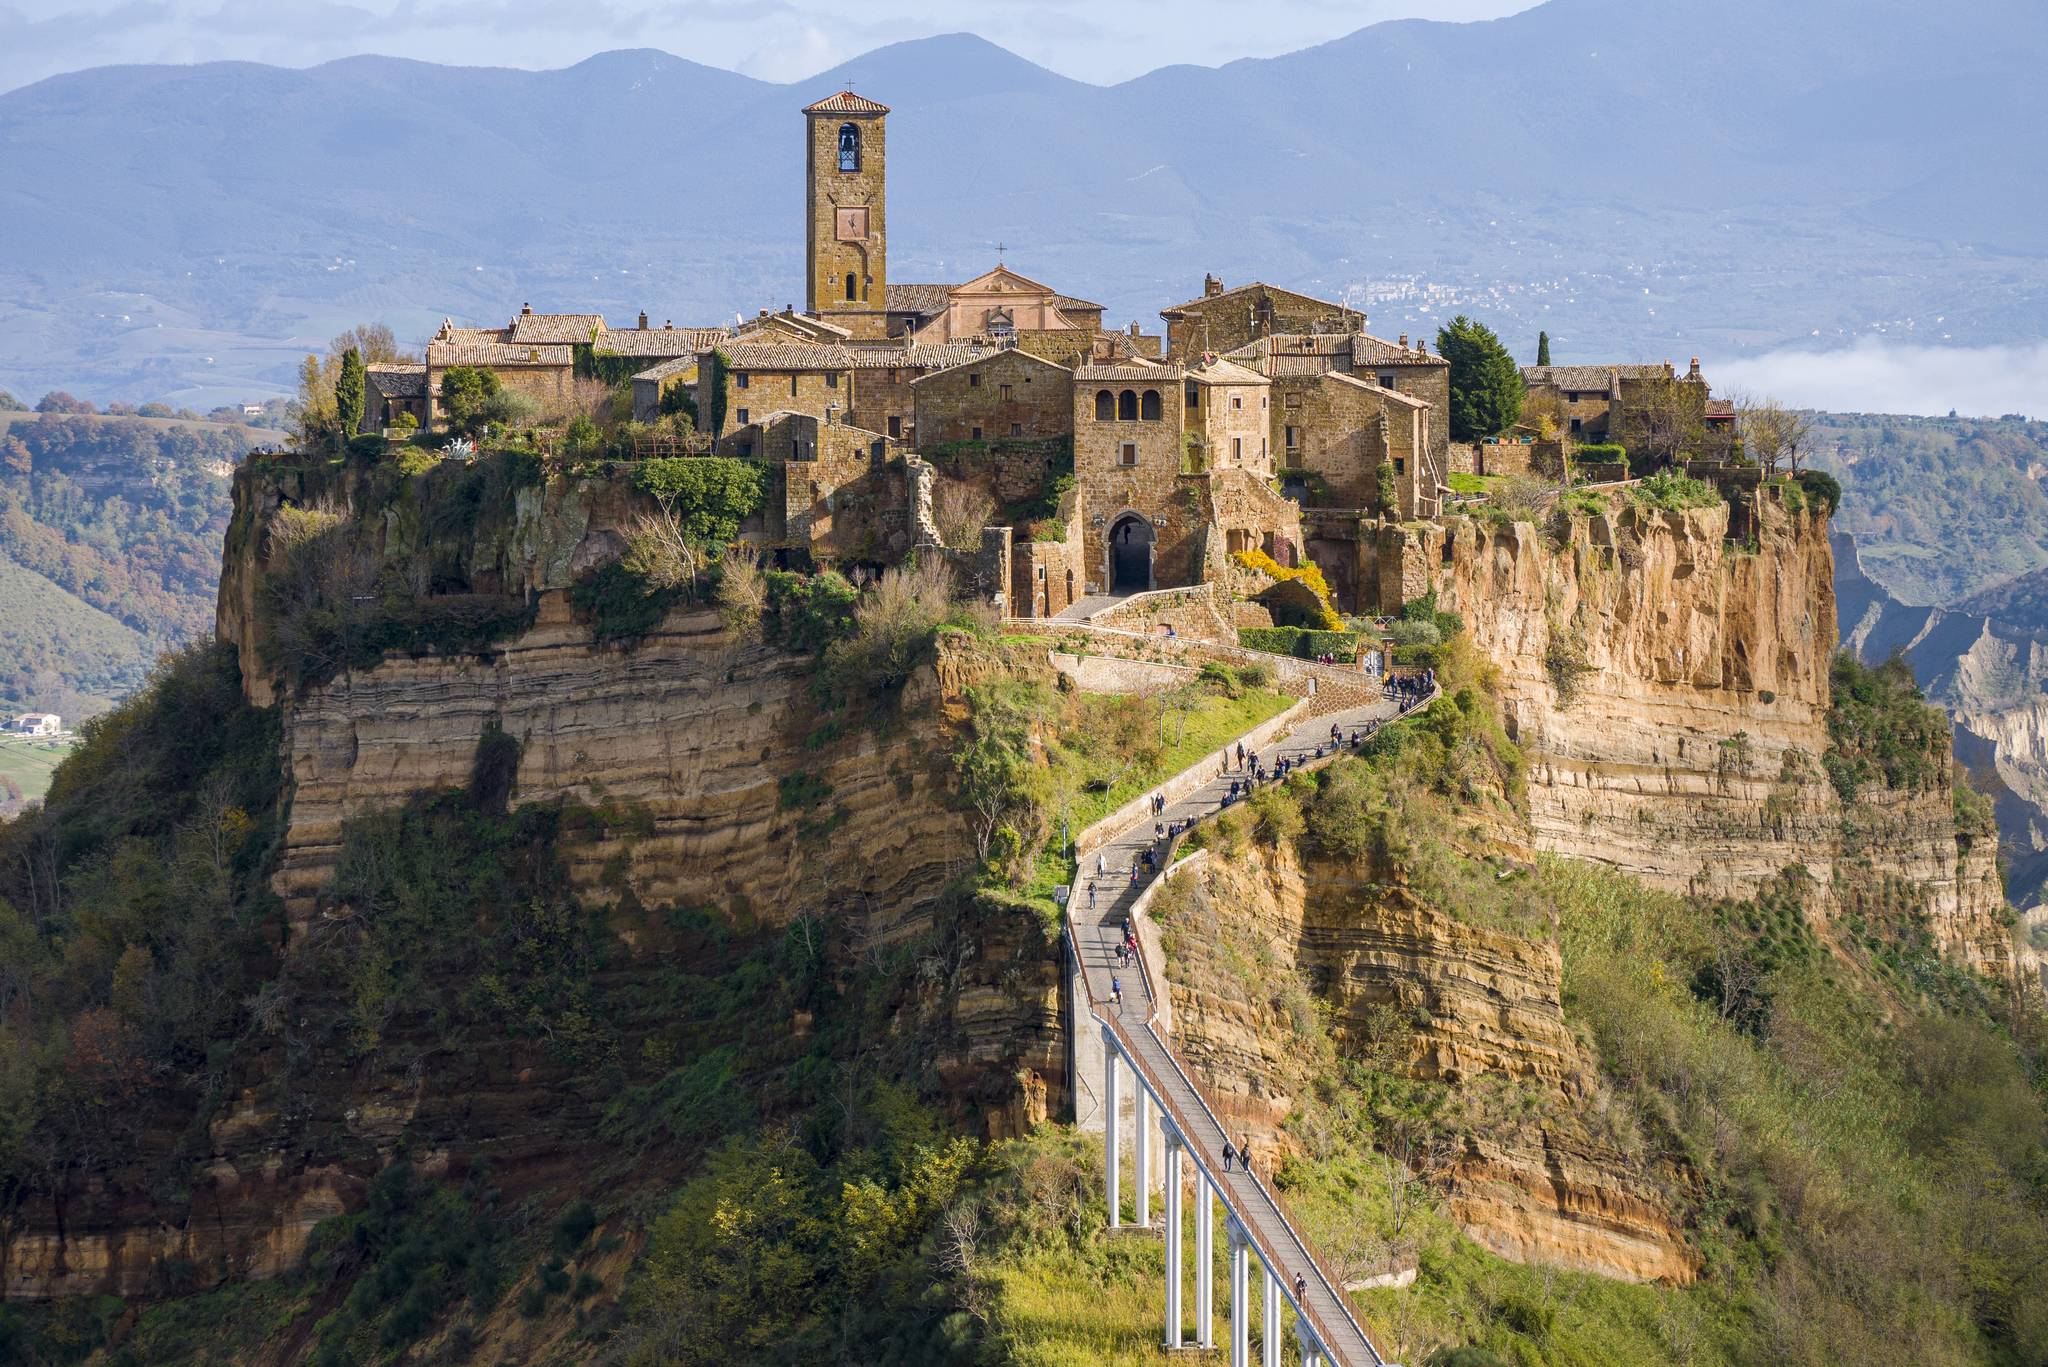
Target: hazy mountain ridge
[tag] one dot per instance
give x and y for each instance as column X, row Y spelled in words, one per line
column 1711, row 158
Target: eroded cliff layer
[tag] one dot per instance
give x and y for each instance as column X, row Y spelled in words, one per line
column 1255, row 939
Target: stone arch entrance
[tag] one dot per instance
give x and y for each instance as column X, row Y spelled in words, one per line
column 1130, row 554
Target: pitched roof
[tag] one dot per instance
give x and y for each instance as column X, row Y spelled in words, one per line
column 445, row 354
column 1220, row 371
column 790, row 356
column 1369, row 350
column 921, row 299
column 1068, row 301
column 1208, row 299
column 556, row 327
column 399, row 379
column 789, row 321
column 931, row 356
column 1150, row 374
column 659, row 341
column 983, row 354
column 846, row 102
column 1592, row 379
column 1393, row 396
column 668, row 370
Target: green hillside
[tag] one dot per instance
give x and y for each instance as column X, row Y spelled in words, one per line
column 54, row 644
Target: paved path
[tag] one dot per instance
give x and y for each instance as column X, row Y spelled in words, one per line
column 1081, row 609
column 1098, row 929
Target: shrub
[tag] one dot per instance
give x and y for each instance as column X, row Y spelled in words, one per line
column 1822, row 488
column 618, row 604
column 1299, row 642
column 1881, row 730
column 809, row 611
column 1669, row 491
column 894, row 626
column 581, row 439
column 1309, row 575
column 405, row 424
column 465, row 389
column 1601, row 453
column 710, row 496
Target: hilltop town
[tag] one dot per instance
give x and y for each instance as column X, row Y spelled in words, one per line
column 1056, row 458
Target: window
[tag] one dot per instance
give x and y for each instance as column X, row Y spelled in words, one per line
column 1236, row 402
column 1263, row 451
column 1400, row 465
column 1263, row 402
column 1578, row 426
column 1387, row 380
column 1105, row 405
column 742, row 417
column 1293, row 437
column 1127, row 454
column 896, row 428
column 976, row 434
column 831, row 382
column 849, row 150
column 740, row 380
column 1194, row 396
column 1016, row 429
column 1148, row 405
column 1127, row 406
column 974, row 381
column 792, row 384
column 1294, row 400
column 1004, row 392
column 1237, row 449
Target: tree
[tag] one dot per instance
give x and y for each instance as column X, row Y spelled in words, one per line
column 1486, row 384
column 1542, row 348
column 10, row 404
column 58, row 401
column 1771, row 432
column 348, row 392
column 314, row 410
column 465, row 390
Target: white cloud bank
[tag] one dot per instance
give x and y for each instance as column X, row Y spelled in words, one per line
column 1884, row 377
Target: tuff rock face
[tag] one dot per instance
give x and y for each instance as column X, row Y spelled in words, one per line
column 1671, row 692
column 1437, row 998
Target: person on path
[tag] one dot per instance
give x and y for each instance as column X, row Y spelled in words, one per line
column 1244, row 1155
column 1227, row 1153
column 1101, row 864
column 1091, row 894
column 1300, row 1288
column 1116, row 991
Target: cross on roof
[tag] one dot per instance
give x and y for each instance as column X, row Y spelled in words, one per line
column 1000, row 249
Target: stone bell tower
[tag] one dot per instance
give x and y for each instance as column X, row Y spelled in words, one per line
column 846, row 213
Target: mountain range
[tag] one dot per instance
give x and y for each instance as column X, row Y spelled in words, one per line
column 1635, row 177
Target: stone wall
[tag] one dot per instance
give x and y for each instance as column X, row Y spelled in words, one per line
column 1046, row 577
column 1228, row 320
column 1010, row 395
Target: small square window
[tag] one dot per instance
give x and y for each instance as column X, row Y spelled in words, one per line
column 1294, row 400
column 740, row 380
column 831, row 382
column 1004, row 392
column 1387, row 380
column 1236, row 402
column 743, row 417
column 1016, row 429
column 974, row 381
column 977, row 435
column 1128, row 453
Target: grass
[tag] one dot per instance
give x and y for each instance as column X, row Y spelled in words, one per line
column 1462, row 483
column 29, row 763
column 1215, row 721
column 41, row 621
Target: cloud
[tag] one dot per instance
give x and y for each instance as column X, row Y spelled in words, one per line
column 1886, row 377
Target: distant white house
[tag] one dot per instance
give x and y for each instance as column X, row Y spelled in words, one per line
column 252, row 410
column 37, row 724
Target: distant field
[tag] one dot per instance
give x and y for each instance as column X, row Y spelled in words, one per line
column 39, row 620
column 29, row 764
column 8, row 420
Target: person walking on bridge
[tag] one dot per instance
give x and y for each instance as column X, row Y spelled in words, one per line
column 1116, row 991
column 1300, row 1288
column 1228, row 1153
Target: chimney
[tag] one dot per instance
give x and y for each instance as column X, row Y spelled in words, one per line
column 1211, row 287
column 1404, row 341
column 1422, row 346
column 643, row 320
column 764, row 313
column 1695, row 373
column 526, row 310
column 668, row 324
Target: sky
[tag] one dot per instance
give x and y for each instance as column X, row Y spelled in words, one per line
column 1874, row 376
column 1102, row 41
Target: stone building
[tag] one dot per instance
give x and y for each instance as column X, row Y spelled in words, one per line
column 391, row 388
column 1171, row 469
column 884, row 398
column 544, row 372
column 1223, row 320
column 846, row 210
column 1650, row 409
column 741, row 381
column 1393, row 366
column 1337, row 430
column 1004, row 394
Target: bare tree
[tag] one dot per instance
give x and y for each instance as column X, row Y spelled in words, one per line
column 1772, row 432
column 962, row 510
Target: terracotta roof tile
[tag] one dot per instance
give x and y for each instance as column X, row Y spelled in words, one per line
column 790, row 356
column 556, row 327
column 444, row 354
column 919, row 299
column 659, row 341
column 846, row 102
column 399, row 379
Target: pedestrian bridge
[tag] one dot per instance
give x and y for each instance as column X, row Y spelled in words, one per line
column 1137, row 1051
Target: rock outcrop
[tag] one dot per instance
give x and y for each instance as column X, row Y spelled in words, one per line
column 1253, row 940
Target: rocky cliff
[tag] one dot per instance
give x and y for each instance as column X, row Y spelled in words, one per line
column 1254, row 939
column 1670, row 687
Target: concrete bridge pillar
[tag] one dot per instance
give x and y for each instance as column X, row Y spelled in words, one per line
column 1111, row 1125
column 1205, row 1261
column 1240, row 1294
column 1173, row 1237
column 1269, row 1342
column 1311, row 1349
column 1141, row 1152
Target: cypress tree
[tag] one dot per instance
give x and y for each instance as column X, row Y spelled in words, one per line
column 1542, row 348
column 1486, row 384
column 348, row 392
